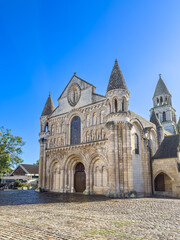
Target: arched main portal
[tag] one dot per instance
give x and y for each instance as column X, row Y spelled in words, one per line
column 79, row 178
column 163, row 183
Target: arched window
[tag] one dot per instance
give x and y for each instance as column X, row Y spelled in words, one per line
column 166, row 100
column 62, row 127
column 76, row 130
column 87, row 120
column 94, row 118
column 164, row 116
column 123, row 107
column 115, row 105
column 92, row 134
column 52, row 130
column 102, row 116
column 136, row 141
column 109, row 107
column 46, row 128
column 158, row 101
column 161, row 100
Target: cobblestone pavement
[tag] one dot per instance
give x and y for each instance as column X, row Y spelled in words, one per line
column 30, row 215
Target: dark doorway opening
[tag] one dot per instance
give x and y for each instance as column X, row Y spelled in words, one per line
column 80, row 178
column 163, row 183
column 159, row 183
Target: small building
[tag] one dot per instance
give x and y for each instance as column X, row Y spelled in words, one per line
column 166, row 167
column 24, row 172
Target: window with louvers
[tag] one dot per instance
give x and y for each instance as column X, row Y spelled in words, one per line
column 76, row 130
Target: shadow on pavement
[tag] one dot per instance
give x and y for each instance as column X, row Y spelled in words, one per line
column 15, row 197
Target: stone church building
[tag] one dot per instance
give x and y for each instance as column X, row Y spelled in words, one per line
column 94, row 144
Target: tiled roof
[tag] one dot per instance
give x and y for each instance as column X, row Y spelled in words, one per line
column 116, row 80
column 31, row 168
column 168, row 147
column 161, row 88
column 49, row 106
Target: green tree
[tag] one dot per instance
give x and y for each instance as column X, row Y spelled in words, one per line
column 10, row 150
column 37, row 163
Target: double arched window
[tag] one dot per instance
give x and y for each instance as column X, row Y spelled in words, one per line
column 76, row 130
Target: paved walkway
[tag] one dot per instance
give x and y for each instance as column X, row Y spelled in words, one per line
column 30, row 215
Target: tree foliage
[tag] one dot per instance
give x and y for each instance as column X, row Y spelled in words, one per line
column 10, row 150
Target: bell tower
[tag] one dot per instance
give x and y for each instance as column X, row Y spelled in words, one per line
column 162, row 106
column 118, row 130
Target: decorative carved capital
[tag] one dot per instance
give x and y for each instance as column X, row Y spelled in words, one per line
column 129, row 125
column 110, row 125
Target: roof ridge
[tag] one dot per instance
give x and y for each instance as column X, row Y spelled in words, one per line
column 70, row 81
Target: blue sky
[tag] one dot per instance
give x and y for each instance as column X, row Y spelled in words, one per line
column 42, row 43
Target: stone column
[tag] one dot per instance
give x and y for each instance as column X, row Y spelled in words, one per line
column 69, row 180
column 48, row 179
column 65, row 180
column 68, row 133
column 87, row 191
column 121, row 164
column 116, row 153
column 72, row 181
column 125, row 163
column 41, row 163
column 111, row 158
column 129, row 157
column 91, row 179
column 44, row 165
column 62, row 180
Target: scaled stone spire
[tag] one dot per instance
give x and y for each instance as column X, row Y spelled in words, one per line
column 161, row 88
column 49, row 106
column 116, row 80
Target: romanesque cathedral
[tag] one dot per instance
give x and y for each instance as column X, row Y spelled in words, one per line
column 94, row 144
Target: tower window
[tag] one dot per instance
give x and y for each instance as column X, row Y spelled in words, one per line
column 166, row 100
column 115, row 105
column 123, row 105
column 136, row 141
column 158, row 101
column 164, row 116
column 46, row 128
column 161, row 100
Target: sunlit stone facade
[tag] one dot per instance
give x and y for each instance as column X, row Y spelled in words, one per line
column 94, row 144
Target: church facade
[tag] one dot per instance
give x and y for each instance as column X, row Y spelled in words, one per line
column 94, row 144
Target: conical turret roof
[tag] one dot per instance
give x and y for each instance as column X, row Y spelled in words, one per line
column 161, row 88
column 49, row 106
column 116, row 80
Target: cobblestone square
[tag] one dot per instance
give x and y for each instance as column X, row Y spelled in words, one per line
column 53, row 216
